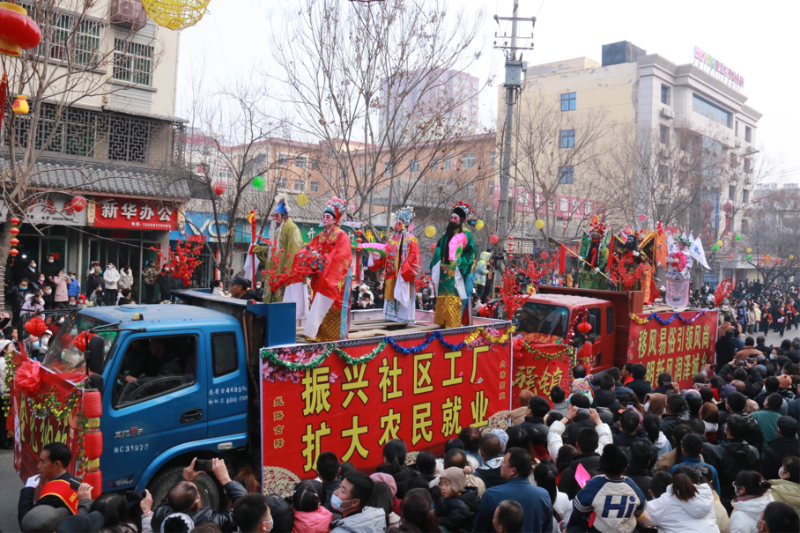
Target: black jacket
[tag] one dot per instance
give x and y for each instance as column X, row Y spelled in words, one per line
column 329, row 487
column 567, row 483
column 401, row 478
column 626, row 439
column 535, row 422
column 725, row 350
column 92, row 281
column 26, row 500
column 16, row 297
column 457, row 514
column 766, row 350
column 603, row 398
column 773, row 456
column 642, row 477
column 579, row 422
column 641, row 388
column 490, row 472
column 668, row 425
column 733, row 456
column 224, row 520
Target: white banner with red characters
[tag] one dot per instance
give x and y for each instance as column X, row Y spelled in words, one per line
column 134, row 213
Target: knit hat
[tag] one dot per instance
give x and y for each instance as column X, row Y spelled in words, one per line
column 456, row 477
column 385, row 478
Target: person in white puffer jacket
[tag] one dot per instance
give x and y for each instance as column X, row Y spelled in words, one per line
column 750, row 501
column 686, row 507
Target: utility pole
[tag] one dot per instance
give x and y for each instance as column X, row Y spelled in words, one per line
column 515, row 69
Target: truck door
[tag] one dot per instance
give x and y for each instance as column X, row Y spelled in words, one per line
column 602, row 336
column 154, row 399
column 227, row 385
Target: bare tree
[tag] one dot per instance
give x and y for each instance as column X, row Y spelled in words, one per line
column 774, row 235
column 377, row 84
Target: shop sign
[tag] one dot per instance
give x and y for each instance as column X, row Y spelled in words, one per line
column 199, row 225
column 51, row 209
column 718, row 67
column 559, row 205
column 133, row 213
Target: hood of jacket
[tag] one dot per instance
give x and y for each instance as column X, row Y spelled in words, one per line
column 470, row 497
column 785, row 491
column 661, row 441
column 485, row 256
column 739, row 449
column 492, row 463
column 318, row 521
column 753, row 508
column 370, row 520
column 658, row 403
column 701, row 505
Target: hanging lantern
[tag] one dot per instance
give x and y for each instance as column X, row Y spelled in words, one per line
column 15, row 220
column 510, row 237
column 20, row 105
column 92, row 404
column 494, row 239
column 767, row 257
column 791, row 257
column 545, row 255
column 93, row 445
column 18, row 32
column 13, row 252
column 95, row 479
column 749, row 250
column 430, row 232
column 720, row 243
column 77, row 204
column 219, row 187
column 730, row 256
column 539, row 224
column 715, row 247
column 738, row 237
column 479, row 225
column 14, row 242
column 14, row 231
column 35, row 326
column 81, row 341
column 584, row 327
column 176, row 14
column 359, row 240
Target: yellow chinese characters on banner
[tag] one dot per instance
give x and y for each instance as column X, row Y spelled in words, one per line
column 422, row 398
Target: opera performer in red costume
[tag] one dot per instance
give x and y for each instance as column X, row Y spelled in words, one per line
column 327, row 321
column 401, row 262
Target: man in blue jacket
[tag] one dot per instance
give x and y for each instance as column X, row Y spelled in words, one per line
column 535, row 501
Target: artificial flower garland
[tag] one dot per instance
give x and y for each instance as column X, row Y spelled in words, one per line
column 667, row 321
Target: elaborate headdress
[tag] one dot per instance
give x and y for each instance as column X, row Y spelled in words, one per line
column 405, row 215
column 684, row 240
column 463, row 210
column 335, row 206
column 281, row 207
column 598, row 228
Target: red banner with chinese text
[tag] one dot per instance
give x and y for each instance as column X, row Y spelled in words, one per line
column 31, row 434
column 678, row 348
column 422, row 398
column 134, row 213
column 540, row 369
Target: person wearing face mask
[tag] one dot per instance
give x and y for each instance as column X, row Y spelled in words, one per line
column 50, row 270
column 48, row 297
column 259, row 290
column 34, row 304
column 184, row 499
column 31, row 272
column 95, row 279
column 786, row 488
column 350, row 500
column 165, row 283
column 17, row 295
column 61, row 283
column 73, row 287
column 111, row 276
column 750, row 501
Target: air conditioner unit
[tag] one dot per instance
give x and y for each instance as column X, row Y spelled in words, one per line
column 667, row 112
column 128, row 14
column 738, row 143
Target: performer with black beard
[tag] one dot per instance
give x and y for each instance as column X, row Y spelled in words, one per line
column 451, row 269
column 594, row 256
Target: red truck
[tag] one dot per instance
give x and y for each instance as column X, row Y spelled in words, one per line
column 617, row 330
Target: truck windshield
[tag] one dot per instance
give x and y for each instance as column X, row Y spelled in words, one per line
column 62, row 355
column 548, row 319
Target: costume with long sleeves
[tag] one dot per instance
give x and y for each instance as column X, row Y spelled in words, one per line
column 285, row 241
column 451, row 268
column 679, row 266
column 332, row 285
column 401, row 262
column 594, row 251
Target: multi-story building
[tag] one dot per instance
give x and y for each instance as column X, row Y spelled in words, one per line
column 106, row 131
column 453, row 94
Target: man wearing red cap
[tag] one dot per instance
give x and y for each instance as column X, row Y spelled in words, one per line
column 451, row 267
column 331, row 285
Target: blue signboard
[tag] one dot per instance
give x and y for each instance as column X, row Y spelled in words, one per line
column 198, row 224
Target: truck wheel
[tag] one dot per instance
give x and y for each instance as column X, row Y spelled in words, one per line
column 160, row 485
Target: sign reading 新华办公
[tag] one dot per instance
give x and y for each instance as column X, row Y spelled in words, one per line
column 718, row 66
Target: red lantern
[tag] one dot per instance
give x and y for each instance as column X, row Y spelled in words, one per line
column 545, row 255
column 95, row 479
column 93, row 445
column 14, row 242
column 92, row 404
column 14, row 231
column 510, row 237
column 730, row 256
column 511, row 256
column 15, row 220
column 77, row 204
column 359, row 232
column 13, row 252
column 494, row 239
column 17, row 31
column 359, row 241
column 81, row 341
column 220, row 187
column 584, row 327
column 35, row 326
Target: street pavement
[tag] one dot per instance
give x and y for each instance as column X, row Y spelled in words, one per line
column 10, row 486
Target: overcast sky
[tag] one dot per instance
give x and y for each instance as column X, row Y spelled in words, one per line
column 756, row 39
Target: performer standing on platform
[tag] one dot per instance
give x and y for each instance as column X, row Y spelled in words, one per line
column 402, row 264
column 327, row 318
column 450, row 267
column 284, row 242
column 594, row 255
column 679, row 266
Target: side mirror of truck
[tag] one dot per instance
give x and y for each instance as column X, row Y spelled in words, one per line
column 96, row 382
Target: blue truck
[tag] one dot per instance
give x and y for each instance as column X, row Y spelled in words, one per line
column 185, row 380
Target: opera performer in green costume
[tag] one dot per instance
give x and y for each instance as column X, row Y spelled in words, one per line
column 594, row 255
column 451, row 270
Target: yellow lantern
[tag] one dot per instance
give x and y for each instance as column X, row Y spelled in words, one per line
column 539, row 224
column 479, row 225
column 791, row 257
column 176, row 14
column 749, row 250
column 720, row 243
column 302, row 199
column 20, row 106
column 430, row 232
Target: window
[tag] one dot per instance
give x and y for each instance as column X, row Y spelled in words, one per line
column 663, row 134
column 748, row 134
column 491, row 190
column 72, row 38
column 282, row 160
column 435, row 164
column 447, row 165
column 159, row 365
column 734, row 160
column 747, row 167
column 568, row 102
column 315, row 164
column 594, row 313
column 566, row 175
column 732, row 192
column 387, row 168
column 745, row 225
column 224, row 353
column 413, row 166
column 133, row 62
column 469, row 190
column 711, row 111
column 665, row 94
column 281, row 183
column 745, row 196
column 298, row 185
column 492, row 159
column 301, row 162
column 567, row 139
column 609, row 320
column 469, row 160
column 314, row 186
column 663, row 173
column 360, row 171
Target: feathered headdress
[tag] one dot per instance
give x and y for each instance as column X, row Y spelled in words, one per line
column 336, row 207
column 463, row 210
